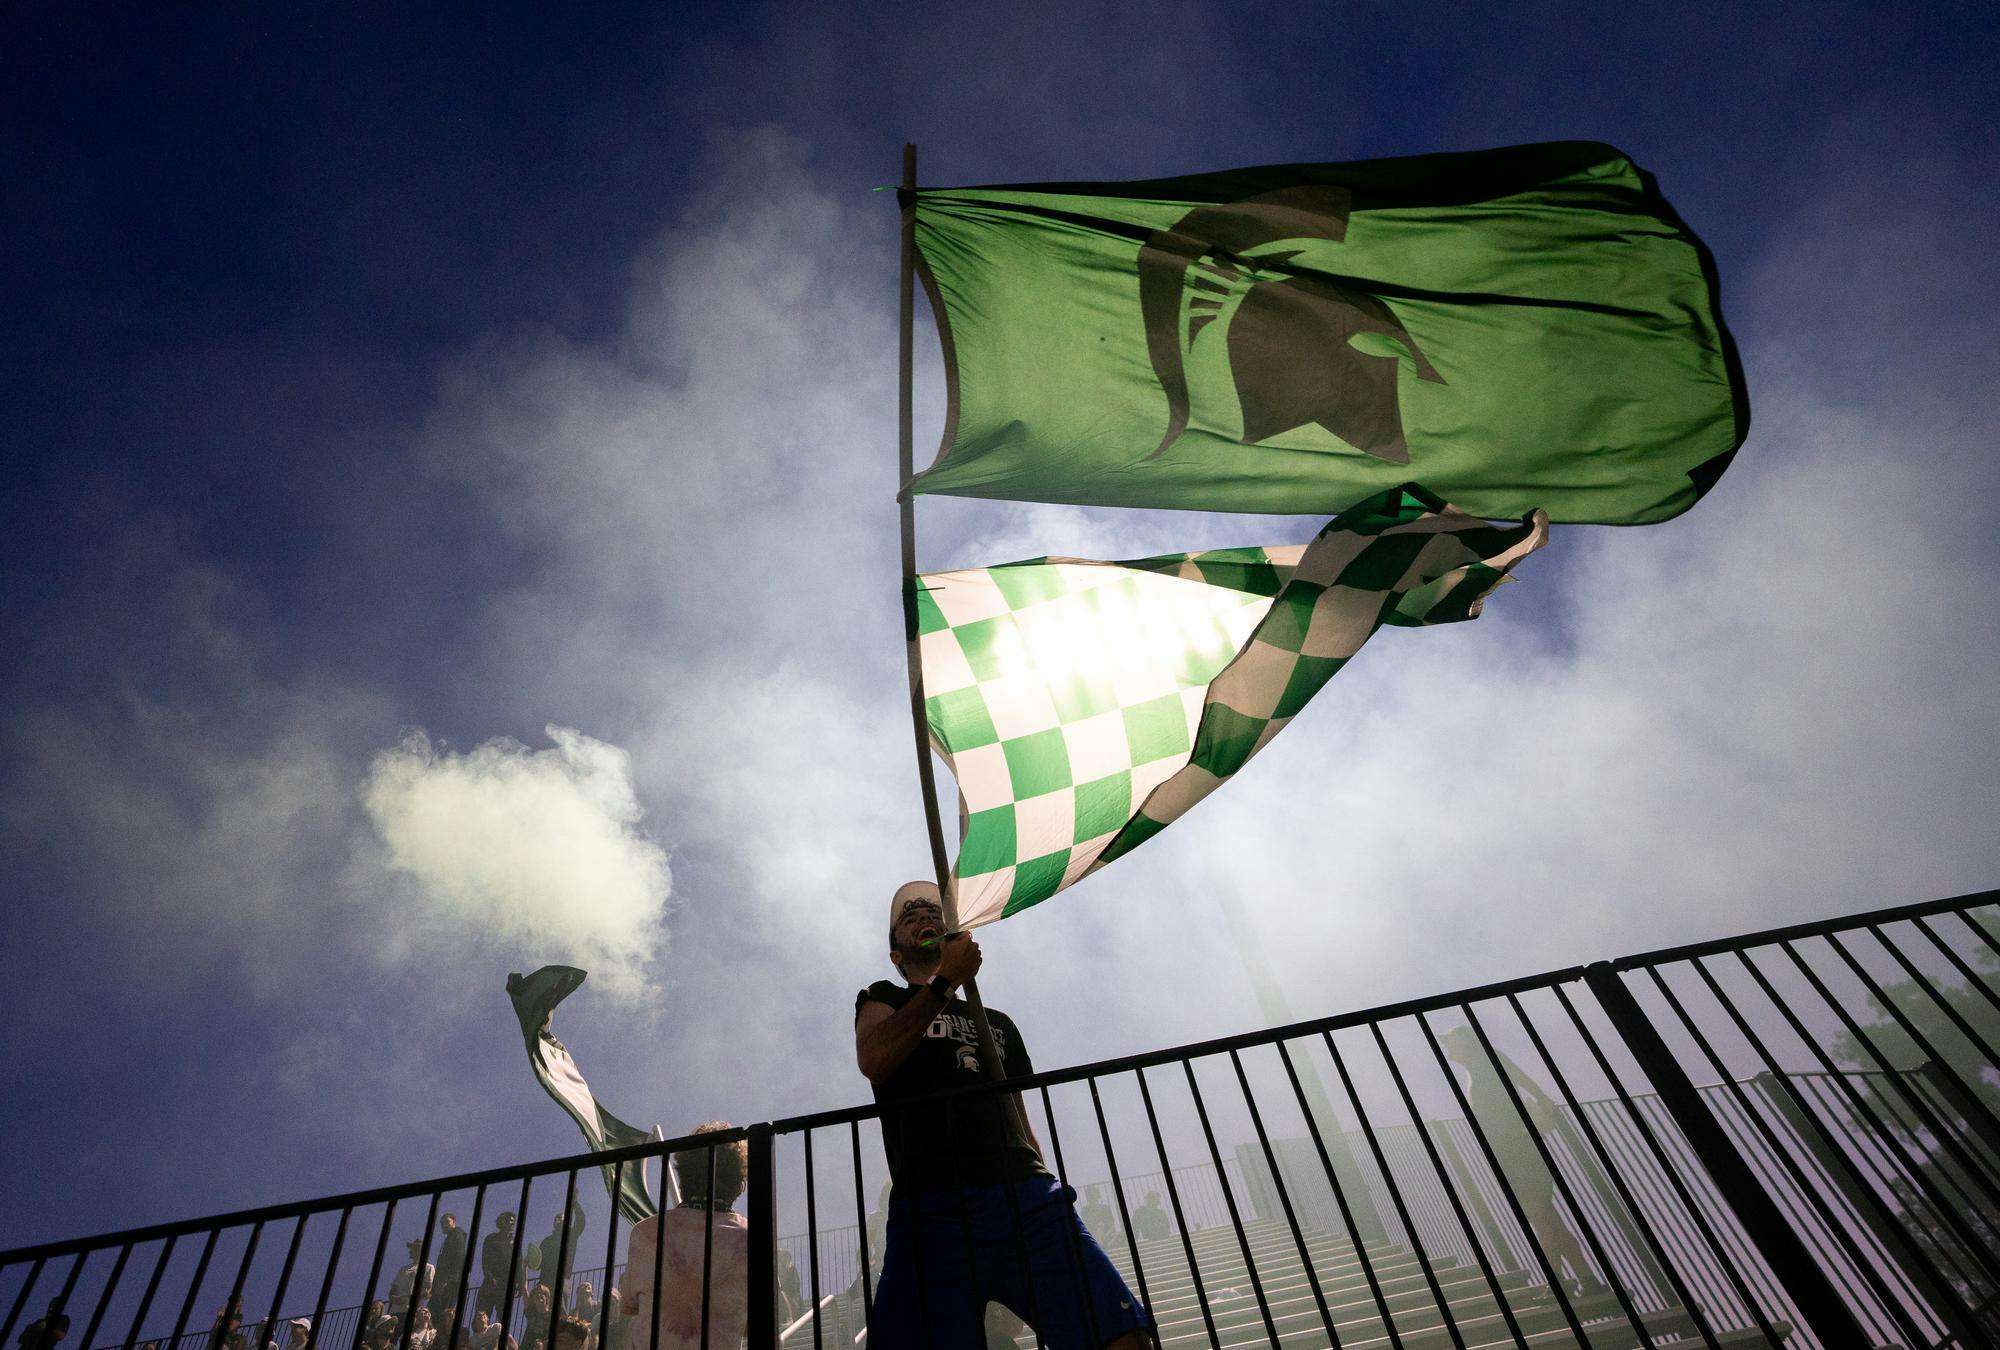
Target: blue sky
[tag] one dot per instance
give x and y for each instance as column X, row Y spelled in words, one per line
column 483, row 372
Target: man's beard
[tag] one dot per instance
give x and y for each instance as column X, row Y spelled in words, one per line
column 918, row 963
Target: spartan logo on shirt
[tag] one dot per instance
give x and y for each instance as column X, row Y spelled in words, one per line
column 1289, row 334
column 951, row 1026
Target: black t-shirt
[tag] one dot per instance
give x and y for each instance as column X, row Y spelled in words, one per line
column 962, row 1143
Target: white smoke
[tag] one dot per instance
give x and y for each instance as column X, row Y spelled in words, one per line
column 538, row 851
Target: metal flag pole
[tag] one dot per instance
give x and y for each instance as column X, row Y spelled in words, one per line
column 906, row 198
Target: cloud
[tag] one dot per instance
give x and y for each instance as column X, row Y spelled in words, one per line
column 516, row 849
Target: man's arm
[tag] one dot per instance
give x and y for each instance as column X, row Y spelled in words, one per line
column 885, row 1036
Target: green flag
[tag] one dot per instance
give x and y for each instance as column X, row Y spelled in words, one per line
column 1519, row 328
column 1083, row 706
column 535, row 998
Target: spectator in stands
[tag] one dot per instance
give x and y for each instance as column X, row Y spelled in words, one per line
column 497, row 1255
column 541, row 1311
column 377, row 1316
column 1150, row 1222
column 585, row 1304
column 485, row 1334
column 554, row 1267
column 677, row 1237
column 451, row 1261
column 298, row 1333
column 423, row 1335
column 410, row 1284
column 614, row 1316
column 572, row 1333
column 972, row 1197
column 1097, row 1215
column 1520, row 1160
column 46, row 1331
column 791, row 1299
column 445, row 1322
column 228, row 1319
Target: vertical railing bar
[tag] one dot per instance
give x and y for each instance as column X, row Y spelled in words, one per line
column 562, row 1260
column 69, row 1281
column 1894, row 1305
column 235, row 1298
column 1750, row 1303
column 708, row 1251
column 1075, row 1247
column 1444, row 1180
column 1576, row 1209
column 668, row 1186
column 1340, row 1198
column 374, row 1272
column 465, row 1270
column 1504, row 1184
column 1395, row 1192
column 1229, row 1201
column 812, row 1236
column 1921, row 1041
column 284, row 1283
column 194, row 1288
column 1118, row 1192
column 861, row 1232
column 1284, row 1198
column 145, row 1299
column 34, row 1275
column 1180, row 1217
column 1959, row 963
column 1787, row 1164
column 417, row 1276
column 326, row 1281
column 610, row 1253
column 1918, row 1106
column 1625, row 1196
column 104, row 1299
column 762, row 1273
column 1965, row 1028
column 516, row 1262
column 1885, row 1131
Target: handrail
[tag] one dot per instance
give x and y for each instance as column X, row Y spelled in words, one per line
column 1046, row 1078
column 1815, row 928
column 378, row 1195
column 1688, row 1136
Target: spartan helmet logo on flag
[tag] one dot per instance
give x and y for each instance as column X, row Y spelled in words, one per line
column 1223, row 274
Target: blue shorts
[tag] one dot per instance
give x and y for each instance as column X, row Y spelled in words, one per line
column 951, row 1252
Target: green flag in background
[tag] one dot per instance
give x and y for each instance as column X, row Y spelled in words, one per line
column 1083, row 706
column 535, row 998
column 1519, row 328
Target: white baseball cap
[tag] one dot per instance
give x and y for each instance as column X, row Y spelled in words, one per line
column 913, row 893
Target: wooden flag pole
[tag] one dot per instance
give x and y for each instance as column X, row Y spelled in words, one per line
column 905, row 429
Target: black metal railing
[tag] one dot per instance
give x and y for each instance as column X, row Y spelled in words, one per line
column 1789, row 1138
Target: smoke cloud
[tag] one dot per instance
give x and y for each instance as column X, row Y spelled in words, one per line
column 528, row 849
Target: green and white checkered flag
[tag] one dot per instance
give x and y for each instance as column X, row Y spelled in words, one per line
column 1084, row 706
